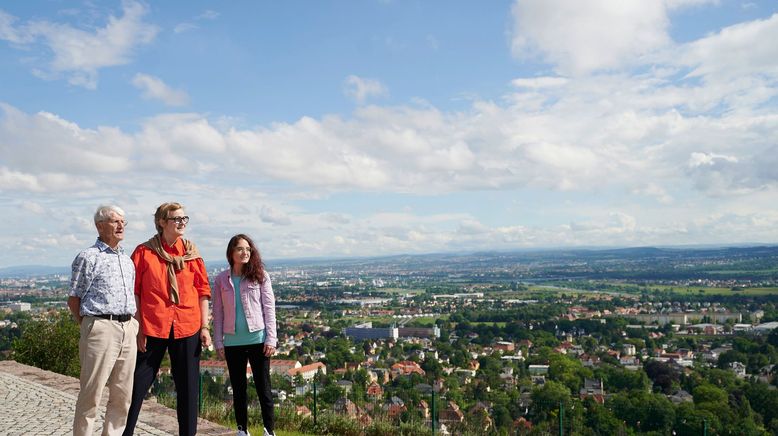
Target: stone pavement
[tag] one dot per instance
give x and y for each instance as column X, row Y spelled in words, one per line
column 38, row 402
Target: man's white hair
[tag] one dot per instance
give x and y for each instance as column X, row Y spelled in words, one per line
column 103, row 212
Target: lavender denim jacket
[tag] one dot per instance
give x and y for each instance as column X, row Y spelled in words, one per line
column 259, row 305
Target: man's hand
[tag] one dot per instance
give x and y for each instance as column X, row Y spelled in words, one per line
column 74, row 304
column 205, row 337
column 269, row 351
column 220, row 353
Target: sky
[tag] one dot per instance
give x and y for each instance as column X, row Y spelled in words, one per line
column 379, row 127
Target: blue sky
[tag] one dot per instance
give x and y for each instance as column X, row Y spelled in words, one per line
column 366, row 128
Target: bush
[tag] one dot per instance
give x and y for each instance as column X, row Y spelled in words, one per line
column 329, row 423
column 50, row 344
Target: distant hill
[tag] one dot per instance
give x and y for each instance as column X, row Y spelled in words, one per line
column 636, row 261
column 32, row 270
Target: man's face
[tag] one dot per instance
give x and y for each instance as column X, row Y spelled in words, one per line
column 111, row 231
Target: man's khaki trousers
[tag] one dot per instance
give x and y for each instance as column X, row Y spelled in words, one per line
column 107, row 351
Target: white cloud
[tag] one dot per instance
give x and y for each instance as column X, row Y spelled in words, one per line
column 209, row 15
column 655, row 191
column 185, row 27
column 709, row 159
column 9, row 32
column 155, row 88
column 178, row 142
column 272, row 215
column 32, row 207
column 539, row 82
column 581, row 37
column 360, row 89
column 11, row 181
column 718, row 174
column 44, row 183
column 741, row 49
column 45, row 143
column 80, row 54
column 677, row 4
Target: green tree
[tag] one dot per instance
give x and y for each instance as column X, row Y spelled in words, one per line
column 331, row 393
column 764, row 401
column 644, row 411
column 730, row 356
column 546, row 400
column 620, row 379
column 707, row 393
column 662, row 374
column 690, row 422
column 569, row 371
column 772, row 338
column 50, row 344
column 600, row 420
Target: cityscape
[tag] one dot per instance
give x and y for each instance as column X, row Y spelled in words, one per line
column 616, row 341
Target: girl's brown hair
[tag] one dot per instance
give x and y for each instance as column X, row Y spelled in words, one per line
column 254, row 269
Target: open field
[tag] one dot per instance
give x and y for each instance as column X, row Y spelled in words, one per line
column 533, row 291
column 495, row 323
column 612, row 287
column 392, row 291
column 685, row 290
column 427, row 319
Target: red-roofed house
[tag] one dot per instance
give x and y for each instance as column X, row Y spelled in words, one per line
column 213, row 367
column 308, row 372
column 406, row 367
column 451, row 414
column 279, row 366
column 374, row 391
column 522, row 425
column 504, row 346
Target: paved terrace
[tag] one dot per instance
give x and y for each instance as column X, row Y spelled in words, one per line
column 34, row 401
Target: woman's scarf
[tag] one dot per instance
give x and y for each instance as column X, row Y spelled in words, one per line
column 174, row 263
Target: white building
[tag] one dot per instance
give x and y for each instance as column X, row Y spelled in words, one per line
column 19, row 306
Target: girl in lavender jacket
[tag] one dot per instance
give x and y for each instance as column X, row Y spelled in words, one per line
column 244, row 320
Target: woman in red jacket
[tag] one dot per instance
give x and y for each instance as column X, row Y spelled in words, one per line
column 171, row 295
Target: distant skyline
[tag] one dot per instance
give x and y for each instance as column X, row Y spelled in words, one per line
column 372, row 128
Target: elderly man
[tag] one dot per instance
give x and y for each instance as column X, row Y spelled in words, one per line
column 102, row 301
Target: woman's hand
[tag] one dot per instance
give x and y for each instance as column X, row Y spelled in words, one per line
column 220, row 353
column 205, row 337
column 269, row 351
column 141, row 342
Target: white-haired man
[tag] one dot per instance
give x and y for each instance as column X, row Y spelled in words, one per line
column 102, row 301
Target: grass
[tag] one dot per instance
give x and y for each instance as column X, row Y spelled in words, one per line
column 257, row 430
column 427, row 320
column 399, row 291
column 685, row 290
column 532, row 292
column 628, row 288
column 494, row 323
